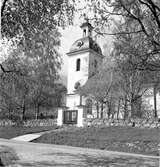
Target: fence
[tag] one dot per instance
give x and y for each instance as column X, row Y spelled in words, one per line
column 29, row 123
column 141, row 123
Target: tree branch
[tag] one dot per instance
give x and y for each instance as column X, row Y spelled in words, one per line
column 4, row 70
column 152, row 9
column 3, row 7
column 118, row 33
column 140, row 22
column 10, row 71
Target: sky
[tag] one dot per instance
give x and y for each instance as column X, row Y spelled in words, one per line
column 69, row 36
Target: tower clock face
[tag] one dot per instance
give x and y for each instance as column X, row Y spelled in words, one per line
column 80, row 44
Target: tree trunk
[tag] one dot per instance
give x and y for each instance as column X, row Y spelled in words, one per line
column 101, row 110
column 155, row 101
column 109, row 109
column 9, row 113
column 97, row 106
column 23, row 110
column 136, row 107
column 132, row 109
column 119, row 102
column 125, row 108
column 37, row 111
column 112, row 115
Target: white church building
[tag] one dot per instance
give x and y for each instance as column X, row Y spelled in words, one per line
column 84, row 59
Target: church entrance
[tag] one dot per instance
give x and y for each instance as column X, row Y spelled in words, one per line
column 70, row 117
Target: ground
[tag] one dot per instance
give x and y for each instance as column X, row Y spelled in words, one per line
column 10, row 132
column 134, row 140
column 126, row 139
column 47, row 155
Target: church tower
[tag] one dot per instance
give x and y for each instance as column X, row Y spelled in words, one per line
column 84, row 59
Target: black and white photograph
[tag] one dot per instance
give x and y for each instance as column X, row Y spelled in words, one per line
column 80, row 83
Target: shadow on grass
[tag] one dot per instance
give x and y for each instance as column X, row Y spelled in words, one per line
column 48, row 164
column 85, row 160
column 123, row 139
column 7, row 156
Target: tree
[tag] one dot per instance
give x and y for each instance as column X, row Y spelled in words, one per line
column 36, row 23
column 14, row 82
column 128, row 51
column 8, row 49
column 46, row 93
column 35, row 84
column 29, row 17
column 34, row 70
column 135, row 25
column 143, row 15
column 103, row 87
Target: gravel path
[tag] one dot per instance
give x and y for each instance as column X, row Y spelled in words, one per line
column 46, row 155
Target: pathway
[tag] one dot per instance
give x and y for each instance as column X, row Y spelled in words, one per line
column 30, row 137
column 27, row 137
column 47, row 155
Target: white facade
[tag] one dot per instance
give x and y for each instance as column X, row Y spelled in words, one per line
column 90, row 61
column 84, row 59
column 75, row 76
column 148, row 100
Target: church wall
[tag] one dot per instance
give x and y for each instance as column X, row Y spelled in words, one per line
column 93, row 68
column 75, row 76
column 148, row 101
column 73, row 101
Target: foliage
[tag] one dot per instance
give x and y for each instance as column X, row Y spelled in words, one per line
column 29, row 17
column 30, row 70
column 135, row 26
column 143, row 16
column 103, row 86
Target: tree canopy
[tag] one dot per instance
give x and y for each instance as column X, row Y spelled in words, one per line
column 30, row 69
column 144, row 16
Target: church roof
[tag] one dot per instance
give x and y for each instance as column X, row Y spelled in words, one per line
column 86, row 24
column 85, row 43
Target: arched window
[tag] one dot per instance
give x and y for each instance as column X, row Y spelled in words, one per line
column 95, row 64
column 78, row 64
column 90, row 33
column 84, row 32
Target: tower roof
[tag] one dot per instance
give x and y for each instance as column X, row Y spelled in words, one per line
column 85, row 43
column 86, row 24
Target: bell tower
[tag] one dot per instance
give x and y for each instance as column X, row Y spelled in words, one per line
column 86, row 29
column 78, row 60
column 84, row 59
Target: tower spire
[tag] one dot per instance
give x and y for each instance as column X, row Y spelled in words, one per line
column 86, row 27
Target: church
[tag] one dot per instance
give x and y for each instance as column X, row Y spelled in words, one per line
column 84, row 59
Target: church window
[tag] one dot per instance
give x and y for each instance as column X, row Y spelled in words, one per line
column 89, row 32
column 95, row 64
column 84, row 32
column 78, row 64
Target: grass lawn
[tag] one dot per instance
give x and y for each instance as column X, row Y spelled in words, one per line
column 10, row 132
column 127, row 139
